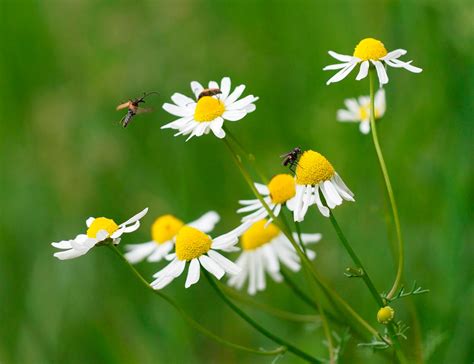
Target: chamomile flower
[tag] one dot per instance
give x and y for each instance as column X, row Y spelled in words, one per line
column 199, row 249
column 280, row 190
column 265, row 249
column 314, row 174
column 163, row 234
column 207, row 113
column 358, row 110
column 99, row 230
column 368, row 52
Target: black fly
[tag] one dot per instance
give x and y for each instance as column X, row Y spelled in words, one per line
column 291, row 158
column 134, row 108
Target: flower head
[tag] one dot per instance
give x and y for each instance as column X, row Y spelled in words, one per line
column 280, row 190
column 358, row 110
column 163, row 233
column 198, row 249
column 385, row 315
column 315, row 173
column 368, row 52
column 207, row 112
column 99, row 230
column 265, row 249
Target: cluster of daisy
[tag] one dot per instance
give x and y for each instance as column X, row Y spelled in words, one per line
column 265, row 248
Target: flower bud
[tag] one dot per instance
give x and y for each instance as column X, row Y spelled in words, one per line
column 385, row 315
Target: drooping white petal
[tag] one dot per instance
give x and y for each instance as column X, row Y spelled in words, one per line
column 229, row 266
column 216, row 127
column 211, row 266
column 193, row 273
column 340, row 57
column 160, row 251
column 381, row 72
column 364, row 127
column 363, row 70
column 135, row 217
column 138, row 252
column 341, row 74
column 394, row 54
column 323, row 209
column 89, row 221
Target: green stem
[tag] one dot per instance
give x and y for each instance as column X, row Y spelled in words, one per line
column 355, row 258
column 257, row 326
column 330, row 293
column 250, row 157
column 396, row 220
column 285, row 315
column 188, row 318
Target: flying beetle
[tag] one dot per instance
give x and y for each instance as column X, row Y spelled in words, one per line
column 133, row 108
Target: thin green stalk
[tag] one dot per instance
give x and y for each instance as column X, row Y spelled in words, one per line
column 250, row 157
column 355, row 258
column 282, row 314
column 188, row 318
column 396, row 220
column 257, row 326
column 330, row 293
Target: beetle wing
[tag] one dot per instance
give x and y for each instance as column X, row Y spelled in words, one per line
column 124, row 105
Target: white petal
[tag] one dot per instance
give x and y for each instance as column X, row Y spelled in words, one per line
column 182, row 100
column 248, row 208
column 363, row 71
column 341, row 74
column 213, row 84
column 323, row 209
column 252, row 288
column 162, row 282
column 235, row 94
column 193, row 273
column 242, row 103
column 206, row 222
column 364, row 127
column 262, row 189
column 197, row 88
column 234, row 115
column 229, row 266
column 138, row 252
column 211, row 266
column 394, row 54
column 225, row 87
column 340, row 57
column 177, row 110
column 160, row 251
column 135, row 217
column 271, row 260
column 341, row 186
column 261, row 284
column 216, row 127
column 336, row 66
column 345, row 115
column 381, row 73
column 178, row 124
column 380, row 103
column 89, row 221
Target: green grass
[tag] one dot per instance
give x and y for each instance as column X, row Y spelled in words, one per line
column 64, row 66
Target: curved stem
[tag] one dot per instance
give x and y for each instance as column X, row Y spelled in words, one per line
column 355, row 258
column 383, row 167
column 257, row 326
column 330, row 293
column 188, row 318
column 285, row 315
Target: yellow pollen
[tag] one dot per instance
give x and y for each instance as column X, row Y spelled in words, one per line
column 257, row 235
column 313, row 168
column 191, row 243
column 101, row 223
column 385, row 315
column 165, row 228
column 370, row 49
column 282, row 188
column 364, row 112
column 208, row 108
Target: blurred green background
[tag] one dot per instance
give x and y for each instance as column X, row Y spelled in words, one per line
column 65, row 65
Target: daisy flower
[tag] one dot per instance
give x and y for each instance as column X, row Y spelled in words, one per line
column 209, row 109
column 199, row 249
column 265, row 249
column 163, row 234
column 368, row 51
column 314, row 174
column 99, row 230
column 358, row 110
column 280, row 190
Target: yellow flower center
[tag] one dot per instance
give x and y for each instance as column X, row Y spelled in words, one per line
column 102, row 223
column 370, row 49
column 165, row 228
column 364, row 112
column 313, row 168
column 208, row 108
column 191, row 243
column 385, row 315
column 257, row 235
column 282, row 188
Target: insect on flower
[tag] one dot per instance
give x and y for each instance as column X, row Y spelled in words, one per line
column 209, row 92
column 134, row 108
column 291, row 158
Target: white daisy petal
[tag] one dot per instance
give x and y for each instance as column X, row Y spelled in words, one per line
column 381, row 73
column 197, row 88
column 225, row 88
column 216, row 127
column 363, row 71
column 341, row 74
column 182, row 100
column 340, row 57
column 229, row 266
column 364, row 127
column 177, row 110
column 138, row 252
column 206, row 222
column 193, row 273
column 211, row 266
column 235, row 95
column 394, row 54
